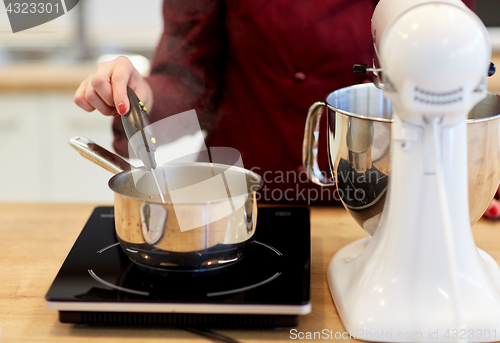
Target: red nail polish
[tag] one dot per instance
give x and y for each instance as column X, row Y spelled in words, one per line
column 122, row 109
column 493, row 211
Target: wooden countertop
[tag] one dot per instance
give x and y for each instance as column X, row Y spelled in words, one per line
column 36, row 237
column 27, row 77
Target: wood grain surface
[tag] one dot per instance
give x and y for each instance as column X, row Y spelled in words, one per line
column 36, row 237
column 39, row 76
column 27, row 77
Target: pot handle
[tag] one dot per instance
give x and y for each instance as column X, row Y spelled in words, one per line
column 100, row 156
column 310, row 145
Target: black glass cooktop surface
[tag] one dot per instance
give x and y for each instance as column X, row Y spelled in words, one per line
column 269, row 286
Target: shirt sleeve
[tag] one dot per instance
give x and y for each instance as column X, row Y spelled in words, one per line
column 470, row 3
column 187, row 66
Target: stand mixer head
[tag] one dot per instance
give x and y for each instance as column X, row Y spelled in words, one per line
column 435, row 57
column 421, row 277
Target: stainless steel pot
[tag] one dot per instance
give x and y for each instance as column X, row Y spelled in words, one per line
column 359, row 130
column 200, row 231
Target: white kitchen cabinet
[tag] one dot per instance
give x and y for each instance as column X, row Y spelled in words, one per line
column 20, row 148
column 38, row 164
column 71, row 177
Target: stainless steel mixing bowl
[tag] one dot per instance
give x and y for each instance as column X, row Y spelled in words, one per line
column 359, row 129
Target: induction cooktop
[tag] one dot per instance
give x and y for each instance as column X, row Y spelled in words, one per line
column 268, row 287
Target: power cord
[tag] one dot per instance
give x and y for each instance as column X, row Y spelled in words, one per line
column 209, row 334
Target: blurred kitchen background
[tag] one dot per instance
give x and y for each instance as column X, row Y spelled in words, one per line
column 40, row 70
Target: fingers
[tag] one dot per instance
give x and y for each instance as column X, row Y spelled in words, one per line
column 122, row 77
column 106, row 89
column 100, row 84
column 97, row 101
column 493, row 211
column 80, row 98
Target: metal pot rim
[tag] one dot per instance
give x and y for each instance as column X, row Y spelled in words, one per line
column 390, row 120
column 252, row 174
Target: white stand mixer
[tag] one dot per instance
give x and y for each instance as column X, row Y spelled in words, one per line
column 421, row 277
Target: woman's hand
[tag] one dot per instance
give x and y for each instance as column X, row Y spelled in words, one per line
column 106, row 89
column 493, row 211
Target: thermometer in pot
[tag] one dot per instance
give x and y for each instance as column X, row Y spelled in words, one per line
column 140, row 135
